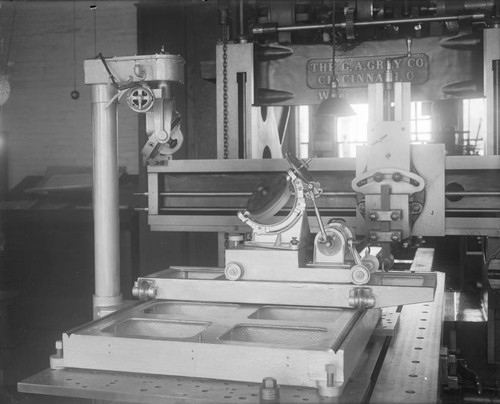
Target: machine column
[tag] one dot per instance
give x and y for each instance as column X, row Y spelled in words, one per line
column 105, row 199
column 491, row 37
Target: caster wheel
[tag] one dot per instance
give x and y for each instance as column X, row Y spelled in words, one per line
column 233, row 271
column 360, row 274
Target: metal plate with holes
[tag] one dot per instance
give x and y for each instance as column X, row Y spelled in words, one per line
column 133, row 388
column 410, row 373
column 228, row 341
column 119, row 387
column 388, row 323
column 147, row 389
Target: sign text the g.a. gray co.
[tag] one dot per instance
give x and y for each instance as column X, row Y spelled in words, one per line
column 361, row 71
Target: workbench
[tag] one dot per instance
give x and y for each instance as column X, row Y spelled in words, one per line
column 400, row 364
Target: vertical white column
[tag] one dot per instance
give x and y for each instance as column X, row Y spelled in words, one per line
column 105, row 198
column 491, row 38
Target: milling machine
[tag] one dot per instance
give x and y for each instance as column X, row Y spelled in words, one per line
column 314, row 313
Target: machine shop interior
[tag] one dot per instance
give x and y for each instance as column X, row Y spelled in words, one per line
column 249, row 201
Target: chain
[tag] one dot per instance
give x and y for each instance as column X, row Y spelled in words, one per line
column 224, row 10
column 225, row 91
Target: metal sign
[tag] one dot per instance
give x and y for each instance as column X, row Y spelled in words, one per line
column 307, row 72
column 360, row 71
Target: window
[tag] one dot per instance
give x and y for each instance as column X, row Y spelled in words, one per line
column 470, row 140
column 420, row 122
column 303, row 130
column 351, row 131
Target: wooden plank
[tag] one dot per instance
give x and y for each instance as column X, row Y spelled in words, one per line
column 422, row 262
column 410, row 373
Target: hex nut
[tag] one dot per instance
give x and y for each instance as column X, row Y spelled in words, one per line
column 416, row 207
column 397, row 177
column 269, row 383
column 395, row 215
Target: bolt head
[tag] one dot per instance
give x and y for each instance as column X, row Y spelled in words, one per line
column 377, row 177
column 269, row 383
column 397, row 177
column 373, row 216
column 416, row 207
column 395, row 237
column 395, row 216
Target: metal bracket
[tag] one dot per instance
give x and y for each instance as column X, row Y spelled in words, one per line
column 385, row 236
column 361, row 297
column 145, row 290
column 377, row 215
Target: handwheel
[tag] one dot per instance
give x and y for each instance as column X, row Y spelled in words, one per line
column 299, row 167
column 140, row 99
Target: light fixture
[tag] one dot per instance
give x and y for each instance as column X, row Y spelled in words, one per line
column 334, row 105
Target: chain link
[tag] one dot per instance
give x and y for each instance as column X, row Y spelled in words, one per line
column 225, row 31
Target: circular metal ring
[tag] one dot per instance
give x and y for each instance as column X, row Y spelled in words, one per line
column 360, row 274
column 140, row 98
column 233, row 271
column 270, row 197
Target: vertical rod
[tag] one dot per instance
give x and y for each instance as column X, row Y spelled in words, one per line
column 105, row 198
column 496, row 106
column 320, row 222
column 242, row 21
column 241, row 79
column 389, row 92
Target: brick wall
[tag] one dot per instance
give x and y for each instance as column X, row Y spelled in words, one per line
column 43, row 126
